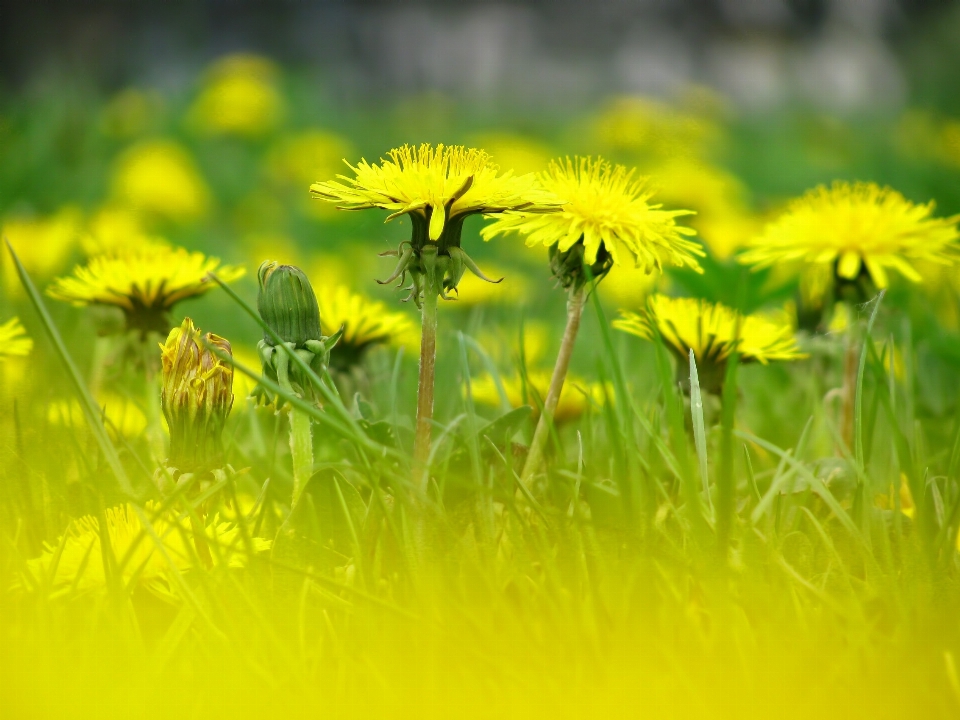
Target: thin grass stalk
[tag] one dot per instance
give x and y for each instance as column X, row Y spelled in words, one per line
column 425, row 387
column 535, row 457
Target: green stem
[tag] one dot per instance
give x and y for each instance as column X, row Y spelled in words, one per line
column 537, row 446
column 301, row 438
column 428, row 360
column 151, row 363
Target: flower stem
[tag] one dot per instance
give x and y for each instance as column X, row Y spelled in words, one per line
column 301, row 437
column 535, row 457
column 428, row 361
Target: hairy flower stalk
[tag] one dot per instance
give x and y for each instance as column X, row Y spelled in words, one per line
column 196, row 397
column 606, row 220
column 438, row 188
column 288, row 305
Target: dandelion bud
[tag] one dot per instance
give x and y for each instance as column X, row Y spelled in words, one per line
column 287, row 304
column 196, row 396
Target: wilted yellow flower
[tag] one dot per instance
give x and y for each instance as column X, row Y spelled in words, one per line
column 239, row 96
column 122, row 416
column 607, row 210
column 42, row 244
column 115, row 230
column 159, row 177
column 145, row 284
column 79, row 566
column 712, row 330
column 576, row 397
column 196, row 396
column 14, row 341
column 854, row 228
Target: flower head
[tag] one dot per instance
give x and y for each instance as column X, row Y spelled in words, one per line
column 14, row 341
column 365, row 323
column 145, row 284
column 160, row 178
column 42, row 244
column 438, row 187
column 712, row 331
column 607, row 219
column 239, row 96
column 196, row 396
column 852, row 230
column 78, row 566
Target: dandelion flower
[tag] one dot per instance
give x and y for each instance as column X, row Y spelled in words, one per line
column 158, row 177
column 365, row 323
column 608, row 213
column 576, row 397
column 854, row 229
column 712, row 331
column 145, row 284
column 14, row 341
column 123, row 417
column 239, row 96
column 79, row 566
column 114, row 230
column 43, row 244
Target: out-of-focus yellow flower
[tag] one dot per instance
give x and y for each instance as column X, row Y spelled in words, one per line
column 365, row 323
column 473, row 291
column 239, row 96
column 950, row 142
column 14, row 341
column 145, row 284
column 712, row 330
column 852, row 228
column 159, row 177
column 78, row 566
column 123, row 416
column 42, row 244
column 609, row 211
column 628, row 287
column 504, row 348
column 300, row 159
column 576, row 397
column 244, row 385
column 521, row 154
column 655, row 129
column 131, row 112
column 114, row 230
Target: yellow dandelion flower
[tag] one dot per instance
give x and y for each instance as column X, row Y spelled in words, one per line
column 608, row 211
column 712, row 331
column 43, row 244
column 522, row 154
column 239, row 96
column 436, row 186
column 854, row 228
column 576, row 397
column 79, row 567
column 123, row 417
column 365, row 323
column 630, row 286
column 14, row 341
column 654, row 128
column 302, row 157
column 115, row 229
column 158, row 177
column 145, row 284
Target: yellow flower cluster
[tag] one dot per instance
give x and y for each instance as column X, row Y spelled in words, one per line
column 851, row 227
column 364, row 321
column 605, row 207
column 712, row 331
column 437, row 184
column 75, row 563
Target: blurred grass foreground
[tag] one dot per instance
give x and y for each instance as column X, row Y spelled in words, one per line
column 669, row 427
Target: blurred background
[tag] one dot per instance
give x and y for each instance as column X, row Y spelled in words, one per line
column 204, row 123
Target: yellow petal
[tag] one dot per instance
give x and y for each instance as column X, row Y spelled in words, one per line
column 849, row 265
column 437, row 220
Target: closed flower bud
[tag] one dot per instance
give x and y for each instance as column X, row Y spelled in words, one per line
column 196, row 396
column 287, row 304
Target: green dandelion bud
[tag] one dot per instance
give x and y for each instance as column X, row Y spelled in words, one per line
column 196, row 397
column 287, row 304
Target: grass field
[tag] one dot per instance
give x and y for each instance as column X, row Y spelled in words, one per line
column 732, row 539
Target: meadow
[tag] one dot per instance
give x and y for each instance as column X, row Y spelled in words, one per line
column 741, row 509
